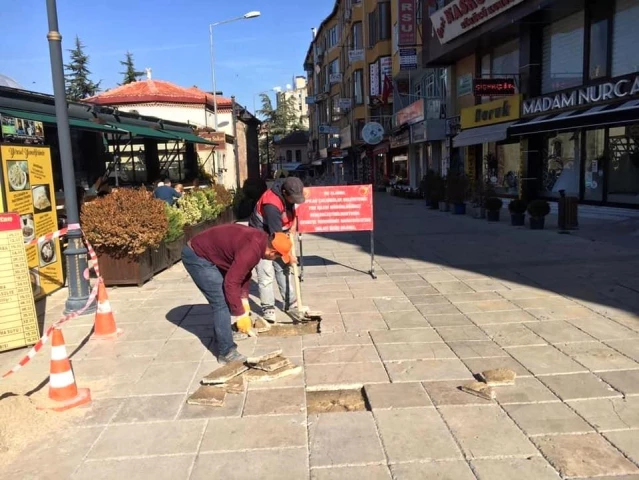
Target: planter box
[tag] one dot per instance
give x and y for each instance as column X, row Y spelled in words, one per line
column 492, row 215
column 174, row 250
column 537, row 223
column 126, row 271
column 159, row 259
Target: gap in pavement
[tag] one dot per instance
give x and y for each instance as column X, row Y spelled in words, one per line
column 337, row 401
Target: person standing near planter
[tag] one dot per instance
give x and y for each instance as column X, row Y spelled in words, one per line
column 220, row 261
column 167, row 193
column 273, row 213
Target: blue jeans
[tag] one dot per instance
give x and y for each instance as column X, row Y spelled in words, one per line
column 269, row 270
column 210, row 281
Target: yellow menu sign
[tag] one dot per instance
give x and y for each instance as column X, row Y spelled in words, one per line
column 18, row 318
column 28, row 190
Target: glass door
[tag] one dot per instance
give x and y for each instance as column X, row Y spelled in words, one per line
column 594, row 163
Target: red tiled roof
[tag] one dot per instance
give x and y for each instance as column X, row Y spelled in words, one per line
column 156, row 91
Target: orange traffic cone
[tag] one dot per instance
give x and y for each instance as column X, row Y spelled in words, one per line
column 104, row 326
column 62, row 387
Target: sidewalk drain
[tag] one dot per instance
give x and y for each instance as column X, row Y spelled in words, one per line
column 334, row 401
column 292, row 329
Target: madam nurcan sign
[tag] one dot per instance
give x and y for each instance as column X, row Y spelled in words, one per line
column 616, row 89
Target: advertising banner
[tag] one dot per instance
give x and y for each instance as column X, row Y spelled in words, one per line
column 407, row 24
column 374, row 79
column 20, row 130
column 27, row 178
column 336, row 209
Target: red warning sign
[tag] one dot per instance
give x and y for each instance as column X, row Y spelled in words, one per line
column 347, row 208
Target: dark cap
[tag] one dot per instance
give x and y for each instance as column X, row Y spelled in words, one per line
column 295, row 188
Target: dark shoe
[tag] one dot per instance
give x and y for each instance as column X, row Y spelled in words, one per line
column 232, row 356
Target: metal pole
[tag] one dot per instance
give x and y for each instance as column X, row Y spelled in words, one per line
column 372, row 272
column 235, row 148
column 76, row 252
column 213, row 78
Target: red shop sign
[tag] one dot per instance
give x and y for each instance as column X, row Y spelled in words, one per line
column 336, row 209
column 406, row 23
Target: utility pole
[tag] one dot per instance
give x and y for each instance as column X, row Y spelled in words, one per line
column 235, row 147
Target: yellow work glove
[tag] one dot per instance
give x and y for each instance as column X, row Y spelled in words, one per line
column 246, row 305
column 245, row 325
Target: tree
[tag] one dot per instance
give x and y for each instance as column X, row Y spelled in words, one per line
column 78, row 84
column 279, row 121
column 131, row 74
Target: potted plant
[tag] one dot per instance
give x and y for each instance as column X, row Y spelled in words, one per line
column 174, row 238
column 125, row 227
column 537, row 211
column 478, row 199
column 442, row 195
column 434, row 190
column 493, row 208
column 517, row 209
column 457, row 187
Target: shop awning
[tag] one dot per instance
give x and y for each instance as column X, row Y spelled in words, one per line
column 190, row 137
column 480, row 135
column 602, row 115
column 46, row 118
column 141, row 131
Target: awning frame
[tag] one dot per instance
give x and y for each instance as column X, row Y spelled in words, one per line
column 497, row 132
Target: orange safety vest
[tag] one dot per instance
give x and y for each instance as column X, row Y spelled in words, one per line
column 271, row 198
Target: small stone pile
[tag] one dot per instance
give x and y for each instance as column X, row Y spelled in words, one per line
column 489, row 379
column 230, row 378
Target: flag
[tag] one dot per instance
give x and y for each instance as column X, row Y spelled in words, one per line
column 387, row 90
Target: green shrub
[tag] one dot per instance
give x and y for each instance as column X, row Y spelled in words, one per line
column 176, row 221
column 538, row 208
column 517, row 206
column 190, row 207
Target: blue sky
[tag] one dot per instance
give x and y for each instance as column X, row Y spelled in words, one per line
column 251, row 55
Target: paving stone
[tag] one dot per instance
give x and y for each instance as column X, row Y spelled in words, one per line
column 525, row 293
column 158, row 468
column 370, row 472
column 483, row 306
column 262, row 358
column 417, row 291
column 349, row 374
column 565, row 312
column 396, row 395
column 478, row 389
column 609, row 413
column 461, row 334
column 544, row 302
column 149, row 408
column 255, row 375
column 512, row 335
column 478, row 365
column 545, row 360
column 262, row 464
column 583, row 455
column 273, row 364
column 336, row 339
column 357, row 306
column 290, row 346
column 629, row 348
column 427, row 370
column 449, row 393
column 248, row 433
column 224, row 373
column 451, row 287
column 626, row 441
column 393, row 304
column 500, row 318
column 364, row 321
column 525, row 390
column 486, row 431
column 406, row 319
column 343, row 439
column 559, row 332
column 485, row 285
column 603, row 329
column 499, row 377
column 235, row 386
column 340, row 354
column 406, row 432
column 438, row 309
column 100, row 412
column 416, row 335
column 578, row 386
column 438, row 277
column 232, row 408
column 597, row 357
column 428, row 299
column 449, row 320
column 449, row 470
column 531, row 468
column 138, row 439
column 208, row 396
column 461, row 298
column 165, row 378
column 477, row 349
column 414, row 351
column 275, row 401
column 626, row 381
column 547, row 418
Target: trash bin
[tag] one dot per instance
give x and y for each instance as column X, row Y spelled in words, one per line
column 567, row 216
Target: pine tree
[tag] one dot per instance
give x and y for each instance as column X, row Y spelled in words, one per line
column 131, row 74
column 78, row 84
column 280, row 121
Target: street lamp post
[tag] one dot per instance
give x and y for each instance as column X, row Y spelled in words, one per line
column 76, row 252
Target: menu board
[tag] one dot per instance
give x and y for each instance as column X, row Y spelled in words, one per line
column 20, row 130
column 336, row 209
column 18, row 318
column 28, row 190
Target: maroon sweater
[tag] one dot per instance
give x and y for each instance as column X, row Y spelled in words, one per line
column 235, row 250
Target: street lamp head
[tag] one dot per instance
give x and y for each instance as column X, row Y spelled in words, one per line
column 252, row 14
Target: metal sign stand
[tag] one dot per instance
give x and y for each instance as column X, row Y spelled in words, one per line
column 372, row 270
column 301, row 258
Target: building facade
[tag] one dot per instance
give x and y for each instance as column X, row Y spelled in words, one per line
column 297, row 93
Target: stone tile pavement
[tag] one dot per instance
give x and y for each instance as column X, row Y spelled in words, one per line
column 454, row 296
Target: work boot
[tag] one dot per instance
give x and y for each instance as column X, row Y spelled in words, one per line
column 232, row 356
column 269, row 315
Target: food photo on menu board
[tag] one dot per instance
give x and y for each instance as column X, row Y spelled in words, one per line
column 18, row 175
column 19, row 130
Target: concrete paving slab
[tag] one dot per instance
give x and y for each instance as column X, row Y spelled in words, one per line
column 512, row 335
column 158, row 468
column 427, row 370
column 483, row 306
column 578, row 386
column 340, row 354
column 547, row 418
column 404, row 319
column 275, row 401
column 438, row 309
column 525, row 390
column 417, row 335
column 609, row 413
column 393, row 304
column 428, row 299
column 625, row 381
column 344, row 375
column 263, row 464
column 545, row 360
column 531, row 468
column 629, row 348
column 477, row 349
column 501, row 317
column 454, row 470
column 597, row 356
column 365, row 321
column 414, row 351
column 626, row 441
column 447, row 288
column 149, row 408
column 478, row 365
column 396, row 395
column 370, row 472
column 462, row 334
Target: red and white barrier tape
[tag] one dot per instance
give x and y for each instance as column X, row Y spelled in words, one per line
column 65, row 318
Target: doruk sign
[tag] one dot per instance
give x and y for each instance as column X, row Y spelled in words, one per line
column 616, row 89
column 461, row 16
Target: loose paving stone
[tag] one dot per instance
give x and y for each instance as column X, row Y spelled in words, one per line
column 525, row 390
column 370, row 472
column 626, row 441
column 531, row 468
column 629, row 348
column 365, row 321
column 477, row 365
column 498, row 377
column 275, row 401
column 272, row 364
column 427, row 370
column 547, row 418
column 477, row 349
column 406, row 319
column 578, row 386
column 406, row 432
column 449, row 470
column 512, row 335
column 626, row 381
column 583, row 455
column 234, row 386
column 479, row 389
column 486, row 431
column 254, row 375
column 416, row 335
column 449, row 320
column 262, row 464
column 414, row 351
column 262, row 358
column 396, row 395
column 149, row 408
column 461, row 334
column 208, row 396
column 290, row 346
column 559, row 332
column 340, row 354
column 597, row 357
column 545, row 360
column 142, row 439
column 333, row 376
column 609, row 413
column 158, row 468
column 343, row 439
column 483, row 306
column 224, row 373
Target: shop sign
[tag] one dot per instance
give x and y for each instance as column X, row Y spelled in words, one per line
column 406, row 23
column 356, row 55
column 345, row 136
column 407, row 58
column 461, row 16
column 464, row 85
column 215, row 137
column 344, row 103
column 452, row 126
column 616, row 89
column 335, row 78
column 418, row 132
column 328, row 130
column 412, row 114
column 374, row 79
column 386, row 67
column 400, row 140
column 20, row 130
column 310, row 100
column 373, row 133
column 493, row 87
column 497, row 111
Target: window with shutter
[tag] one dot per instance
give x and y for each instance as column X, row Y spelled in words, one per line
column 625, row 54
column 563, row 53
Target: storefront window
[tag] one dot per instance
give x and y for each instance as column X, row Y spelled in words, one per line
column 561, row 164
column 563, row 53
column 594, row 160
column 598, row 49
column 501, row 167
column 625, row 54
column 623, row 173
